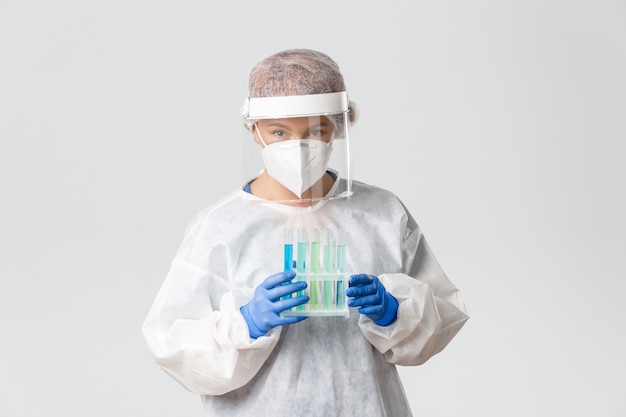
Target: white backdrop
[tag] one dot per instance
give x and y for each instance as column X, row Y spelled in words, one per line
column 500, row 124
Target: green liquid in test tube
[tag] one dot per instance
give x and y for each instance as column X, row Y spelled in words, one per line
column 329, row 261
column 341, row 267
column 303, row 241
column 314, row 290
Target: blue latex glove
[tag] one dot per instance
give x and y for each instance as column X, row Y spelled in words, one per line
column 374, row 301
column 262, row 313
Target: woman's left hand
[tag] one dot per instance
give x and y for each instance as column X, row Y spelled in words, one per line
column 373, row 300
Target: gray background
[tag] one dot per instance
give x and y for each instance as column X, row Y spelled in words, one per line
column 500, row 124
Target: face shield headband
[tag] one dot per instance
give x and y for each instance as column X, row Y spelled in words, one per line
column 255, row 108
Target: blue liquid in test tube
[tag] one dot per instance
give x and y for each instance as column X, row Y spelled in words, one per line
column 288, row 254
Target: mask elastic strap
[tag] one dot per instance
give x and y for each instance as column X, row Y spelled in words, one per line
column 258, row 132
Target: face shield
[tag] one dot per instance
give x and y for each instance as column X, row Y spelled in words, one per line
column 301, row 143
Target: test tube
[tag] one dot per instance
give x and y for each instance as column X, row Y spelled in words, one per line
column 314, row 290
column 329, row 261
column 288, row 253
column 341, row 267
column 303, row 241
column 288, row 250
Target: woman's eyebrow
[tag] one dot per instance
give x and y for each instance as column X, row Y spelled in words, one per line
column 282, row 125
column 320, row 124
column 277, row 124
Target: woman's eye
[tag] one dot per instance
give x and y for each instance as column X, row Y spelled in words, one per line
column 279, row 133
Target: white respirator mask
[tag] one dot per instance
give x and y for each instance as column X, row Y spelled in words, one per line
column 296, row 163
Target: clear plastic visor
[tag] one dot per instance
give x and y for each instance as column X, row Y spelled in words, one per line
column 297, row 160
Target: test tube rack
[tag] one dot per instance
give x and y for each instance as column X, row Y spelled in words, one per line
column 320, row 260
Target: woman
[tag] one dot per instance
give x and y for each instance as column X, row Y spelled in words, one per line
column 218, row 324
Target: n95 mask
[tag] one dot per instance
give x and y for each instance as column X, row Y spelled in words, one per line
column 297, row 163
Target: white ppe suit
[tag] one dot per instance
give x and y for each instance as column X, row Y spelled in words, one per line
column 322, row 366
